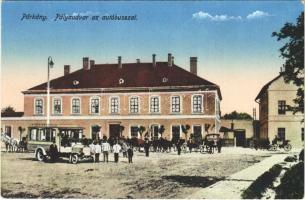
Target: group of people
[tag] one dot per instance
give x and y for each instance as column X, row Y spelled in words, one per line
column 104, row 147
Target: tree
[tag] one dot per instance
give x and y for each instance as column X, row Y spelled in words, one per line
column 237, row 115
column 95, row 130
column 161, row 130
column 141, row 130
column 8, row 109
column 185, row 129
column 122, row 128
column 293, row 54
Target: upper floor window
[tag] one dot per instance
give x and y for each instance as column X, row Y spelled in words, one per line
column 197, row 103
column 302, row 134
column 114, row 105
column 134, row 105
column 75, row 106
column 57, row 106
column 38, row 106
column 95, row 105
column 281, row 107
column 154, row 104
column 176, row 106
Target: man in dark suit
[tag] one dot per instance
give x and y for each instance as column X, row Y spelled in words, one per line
column 146, row 146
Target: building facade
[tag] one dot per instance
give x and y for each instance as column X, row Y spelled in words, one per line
column 240, row 131
column 273, row 115
column 119, row 98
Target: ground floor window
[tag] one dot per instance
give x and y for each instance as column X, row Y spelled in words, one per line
column 134, row 131
column 8, row 131
column 197, row 133
column 154, row 132
column 175, row 133
column 281, row 133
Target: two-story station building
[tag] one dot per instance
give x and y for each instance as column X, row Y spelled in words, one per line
column 275, row 119
column 127, row 95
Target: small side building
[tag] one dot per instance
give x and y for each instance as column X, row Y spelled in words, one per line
column 274, row 117
column 240, row 130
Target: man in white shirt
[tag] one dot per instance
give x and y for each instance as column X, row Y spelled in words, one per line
column 106, row 149
column 98, row 151
column 116, row 151
column 92, row 149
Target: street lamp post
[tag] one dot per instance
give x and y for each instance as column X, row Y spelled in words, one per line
column 50, row 65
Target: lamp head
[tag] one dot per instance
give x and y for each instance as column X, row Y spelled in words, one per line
column 51, row 63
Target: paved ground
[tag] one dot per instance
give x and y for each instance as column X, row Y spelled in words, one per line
column 233, row 185
column 162, row 175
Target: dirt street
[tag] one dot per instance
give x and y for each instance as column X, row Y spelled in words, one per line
column 162, row 175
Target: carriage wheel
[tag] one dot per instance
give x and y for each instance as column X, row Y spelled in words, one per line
column 39, row 155
column 287, row 147
column 201, row 149
column 74, row 159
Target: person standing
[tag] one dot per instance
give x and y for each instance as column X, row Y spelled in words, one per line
column 179, row 141
column 130, row 154
column 106, row 149
column 92, row 149
column 219, row 145
column 146, row 146
column 98, row 151
column 190, row 144
column 124, row 149
column 116, row 151
column 53, row 151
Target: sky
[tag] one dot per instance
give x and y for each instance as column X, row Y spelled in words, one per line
column 232, row 40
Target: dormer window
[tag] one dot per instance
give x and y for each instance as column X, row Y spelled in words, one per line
column 121, row 81
column 75, row 82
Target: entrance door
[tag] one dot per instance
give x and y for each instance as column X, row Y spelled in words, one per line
column 114, row 131
column 240, row 136
column 175, row 133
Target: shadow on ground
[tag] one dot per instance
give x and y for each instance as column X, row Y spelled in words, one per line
column 194, row 181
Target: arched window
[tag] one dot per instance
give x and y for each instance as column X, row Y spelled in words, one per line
column 95, row 105
column 76, row 106
column 38, row 106
column 134, row 105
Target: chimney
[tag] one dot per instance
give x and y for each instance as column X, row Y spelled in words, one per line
column 66, row 70
column 120, row 62
column 173, row 60
column 170, row 60
column 92, row 63
column 154, row 60
column 86, row 63
column 193, row 65
column 138, row 60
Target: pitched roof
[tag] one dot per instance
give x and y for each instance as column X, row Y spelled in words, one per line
column 265, row 87
column 131, row 75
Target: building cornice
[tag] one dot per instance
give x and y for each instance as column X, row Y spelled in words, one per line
column 114, row 117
